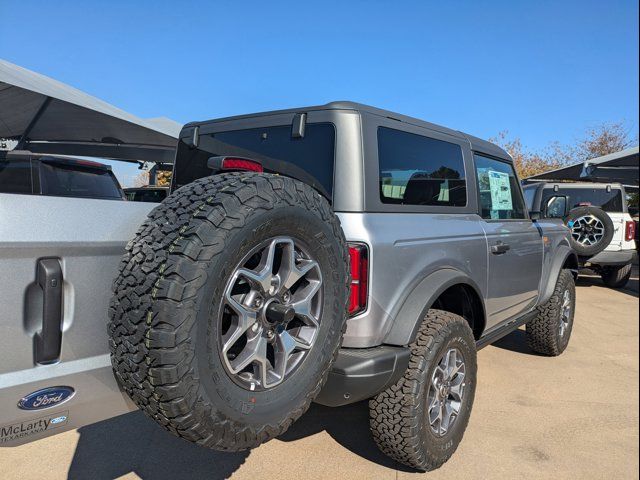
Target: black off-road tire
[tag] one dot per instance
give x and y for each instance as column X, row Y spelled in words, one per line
column 590, row 250
column 543, row 332
column 398, row 417
column 166, row 303
column 616, row 277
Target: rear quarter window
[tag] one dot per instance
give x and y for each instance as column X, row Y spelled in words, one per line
column 419, row 170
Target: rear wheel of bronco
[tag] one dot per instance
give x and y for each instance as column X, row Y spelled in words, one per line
column 550, row 331
column 616, row 277
column 421, row 419
column 229, row 308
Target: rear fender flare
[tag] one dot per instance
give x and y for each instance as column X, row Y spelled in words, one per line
column 407, row 321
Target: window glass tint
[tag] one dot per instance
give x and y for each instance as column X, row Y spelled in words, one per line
column 76, row 181
column 309, row 158
column 417, row 170
column 500, row 197
column 596, row 197
column 15, row 176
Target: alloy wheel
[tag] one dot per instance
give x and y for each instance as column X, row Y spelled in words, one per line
column 446, row 392
column 587, row 230
column 271, row 313
column 565, row 316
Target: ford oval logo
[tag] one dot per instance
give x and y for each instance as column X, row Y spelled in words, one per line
column 45, row 398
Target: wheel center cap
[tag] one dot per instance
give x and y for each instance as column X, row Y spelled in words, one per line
column 444, row 391
column 276, row 313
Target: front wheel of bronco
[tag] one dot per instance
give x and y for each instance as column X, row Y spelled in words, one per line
column 549, row 332
column 229, row 308
column 421, row 419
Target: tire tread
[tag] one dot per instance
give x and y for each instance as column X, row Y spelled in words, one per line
column 396, row 414
column 153, row 308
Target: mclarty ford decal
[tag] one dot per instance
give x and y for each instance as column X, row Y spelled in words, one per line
column 45, row 398
column 9, row 433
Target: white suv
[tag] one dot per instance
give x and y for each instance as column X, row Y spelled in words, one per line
column 602, row 230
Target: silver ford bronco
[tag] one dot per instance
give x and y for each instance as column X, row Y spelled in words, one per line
column 333, row 253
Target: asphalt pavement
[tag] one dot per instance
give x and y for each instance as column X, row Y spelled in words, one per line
column 574, row 416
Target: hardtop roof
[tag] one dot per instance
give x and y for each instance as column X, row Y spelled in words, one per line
column 477, row 144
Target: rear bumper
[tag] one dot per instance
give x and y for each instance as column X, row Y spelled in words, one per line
column 360, row 373
column 608, row 258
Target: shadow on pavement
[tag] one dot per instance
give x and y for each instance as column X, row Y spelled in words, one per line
column 348, row 425
column 591, row 279
column 134, row 443
column 516, row 342
column 631, row 288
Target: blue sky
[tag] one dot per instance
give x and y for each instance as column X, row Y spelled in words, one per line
column 545, row 71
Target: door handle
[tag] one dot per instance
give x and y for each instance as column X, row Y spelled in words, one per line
column 500, row 248
column 49, row 338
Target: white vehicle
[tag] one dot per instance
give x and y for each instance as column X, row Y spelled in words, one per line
column 602, row 230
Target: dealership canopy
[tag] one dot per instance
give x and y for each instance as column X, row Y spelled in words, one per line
column 620, row 167
column 46, row 116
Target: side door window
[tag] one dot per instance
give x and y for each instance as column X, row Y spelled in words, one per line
column 499, row 190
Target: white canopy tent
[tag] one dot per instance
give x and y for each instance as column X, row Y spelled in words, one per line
column 46, row 116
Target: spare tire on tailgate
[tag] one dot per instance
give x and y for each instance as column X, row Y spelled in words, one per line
column 591, row 230
column 229, row 308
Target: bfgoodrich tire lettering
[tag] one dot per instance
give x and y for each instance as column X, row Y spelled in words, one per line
column 399, row 416
column 164, row 313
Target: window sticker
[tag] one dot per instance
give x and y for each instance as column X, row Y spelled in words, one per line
column 500, row 191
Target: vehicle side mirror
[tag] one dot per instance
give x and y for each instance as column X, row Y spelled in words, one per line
column 557, row 207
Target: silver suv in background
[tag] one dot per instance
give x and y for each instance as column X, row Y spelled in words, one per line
column 332, row 253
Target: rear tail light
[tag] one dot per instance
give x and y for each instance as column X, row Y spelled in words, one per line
column 359, row 263
column 630, row 231
column 234, row 163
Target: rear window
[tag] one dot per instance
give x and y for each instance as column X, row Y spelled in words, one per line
column 418, row 170
column 309, row 158
column 15, row 176
column 596, row 197
column 77, row 181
